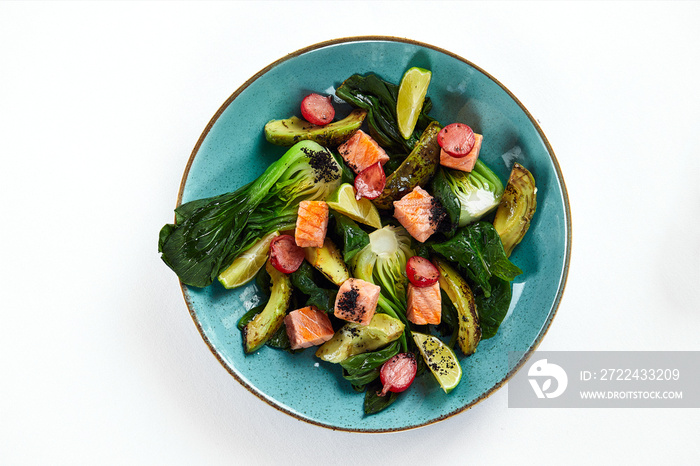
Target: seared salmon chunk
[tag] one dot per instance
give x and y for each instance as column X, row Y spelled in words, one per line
column 466, row 163
column 308, row 327
column 312, row 223
column 356, row 301
column 361, row 151
column 424, row 304
column 419, row 213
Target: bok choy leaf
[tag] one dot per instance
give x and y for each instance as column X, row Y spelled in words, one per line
column 208, row 234
column 478, row 250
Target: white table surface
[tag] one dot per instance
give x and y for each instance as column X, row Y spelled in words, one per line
column 100, row 107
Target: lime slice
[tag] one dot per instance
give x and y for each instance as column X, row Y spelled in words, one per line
column 441, row 360
column 246, row 265
column 414, row 86
column 343, row 200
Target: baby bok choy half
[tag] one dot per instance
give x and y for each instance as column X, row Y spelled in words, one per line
column 468, row 196
column 383, row 262
column 208, row 234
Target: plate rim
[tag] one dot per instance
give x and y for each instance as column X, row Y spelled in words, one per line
column 565, row 200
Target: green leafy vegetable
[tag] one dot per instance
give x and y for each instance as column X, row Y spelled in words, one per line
column 346, row 173
column 478, row 250
column 363, row 368
column 443, row 192
column 493, row 309
column 375, row 403
column 280, row 340
column 354, row 237
column 210, row 233
column 468, row 196
column 303, row 280
column 379, row 97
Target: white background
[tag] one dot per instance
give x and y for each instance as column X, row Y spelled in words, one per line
column 100, row 107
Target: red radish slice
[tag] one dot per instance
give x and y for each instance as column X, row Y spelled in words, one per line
column 456, row 139
column 421, row 272
column 370, row 182
column 317, row 109
column 397, row 373
column 285, row 255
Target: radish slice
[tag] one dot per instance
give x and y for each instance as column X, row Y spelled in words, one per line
column 285, row 255
column 370, row 182
column 317, row 109
column 421, row 272
column 456, row 139
column 397, row 373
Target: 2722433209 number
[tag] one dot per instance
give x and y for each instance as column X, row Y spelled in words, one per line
column 639, row 374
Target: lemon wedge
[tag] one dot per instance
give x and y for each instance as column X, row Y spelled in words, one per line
column 343, row 200
column 440, row 359
column 409, row 103
column 245, row 266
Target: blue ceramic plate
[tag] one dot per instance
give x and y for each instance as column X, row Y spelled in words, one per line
column 232, row 151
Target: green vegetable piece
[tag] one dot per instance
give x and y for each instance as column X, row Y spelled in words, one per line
column 249, row 315
column 383, row 262
column 210, row 233
column 379, row 98
column 304, row 281
column 373, row 402
column 363, row 368
column 457, row 289
column 329, row 261
column 353, row 338
column 280, row 340
column 347, row 175
column 516, row 209
column 493, row 310
column 474, row 193
column 416, row 170
column 264, row 325
column 292, row 130
column 442, row 191
column 449, row 322
column 354, row 237
column 478, row 250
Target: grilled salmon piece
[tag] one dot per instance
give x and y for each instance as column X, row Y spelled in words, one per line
column 466, row 163
column 308, row 327
column 312, row 223
column 419, row 213
column 424, row 304
column 356, row 301
column 361, row 151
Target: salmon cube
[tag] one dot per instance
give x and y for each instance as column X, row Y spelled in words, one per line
column 312, row 224
column 419, row 213
column 308, row 326
column 424, row 304
column 361, row 151
column 466, row 163
column 356, row 301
